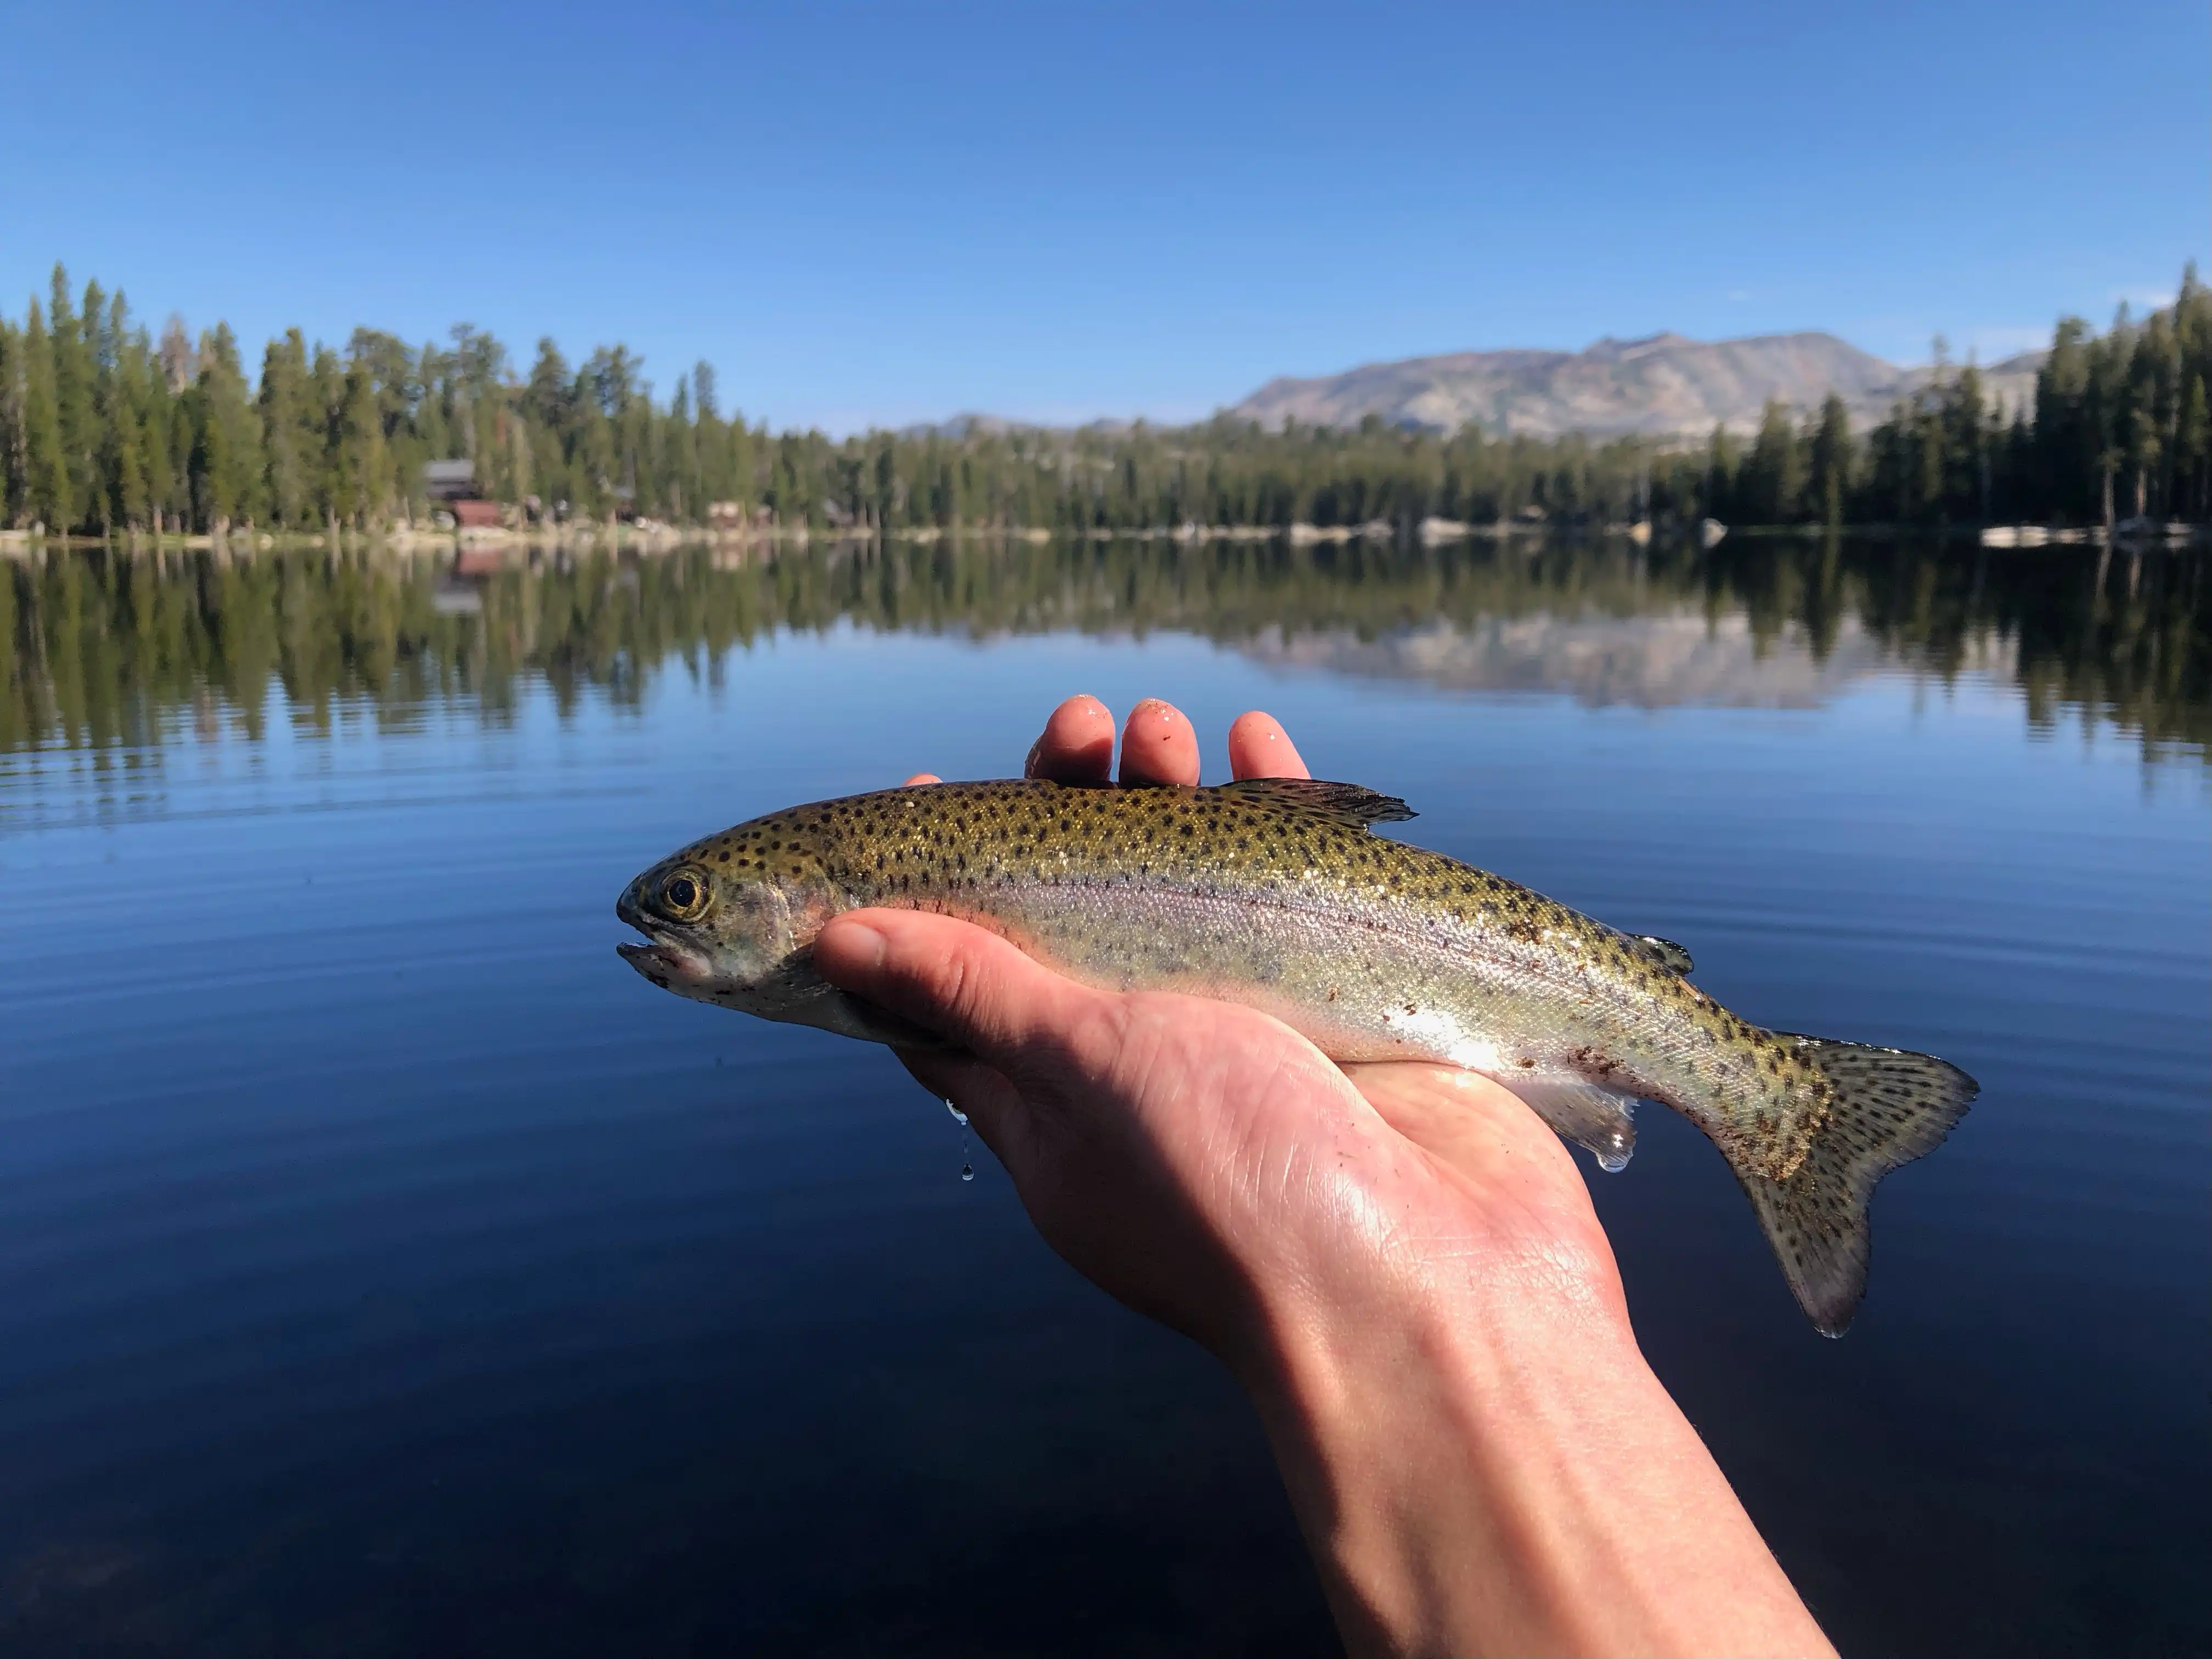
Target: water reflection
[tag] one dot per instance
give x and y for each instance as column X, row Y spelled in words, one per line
column 383, row 1268
column 106, row 649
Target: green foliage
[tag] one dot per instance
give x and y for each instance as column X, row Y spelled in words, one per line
column 1829, row 458
column 102, row 429
column 46, row 495
column 228, row 459
column 75, row 494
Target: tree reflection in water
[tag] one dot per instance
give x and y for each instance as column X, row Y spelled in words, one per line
column 105, row 649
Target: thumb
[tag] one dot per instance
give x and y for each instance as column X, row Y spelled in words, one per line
column 969, row 986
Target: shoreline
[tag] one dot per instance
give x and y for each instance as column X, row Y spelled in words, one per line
column 653, row 537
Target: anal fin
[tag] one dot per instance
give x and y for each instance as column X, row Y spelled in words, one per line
column 1599, row 1119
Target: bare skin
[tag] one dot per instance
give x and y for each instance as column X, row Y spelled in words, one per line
column 1400, row 1263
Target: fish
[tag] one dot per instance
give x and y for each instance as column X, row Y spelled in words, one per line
column 1278, row 894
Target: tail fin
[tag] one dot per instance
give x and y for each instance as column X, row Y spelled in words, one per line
column 1890, row 1106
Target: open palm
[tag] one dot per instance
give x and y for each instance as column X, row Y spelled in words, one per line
column 1201, row 1161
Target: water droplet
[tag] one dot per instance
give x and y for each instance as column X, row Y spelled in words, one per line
column 967, row 1169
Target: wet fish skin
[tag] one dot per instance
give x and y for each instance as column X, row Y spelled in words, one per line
column 1275, row 893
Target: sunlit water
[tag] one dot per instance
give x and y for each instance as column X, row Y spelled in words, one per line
column 384, row 1268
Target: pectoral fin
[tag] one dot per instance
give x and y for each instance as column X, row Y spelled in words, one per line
column 832, row 1010
column 1600, row 1120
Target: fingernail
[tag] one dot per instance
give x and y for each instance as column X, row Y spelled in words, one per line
column 861, row 944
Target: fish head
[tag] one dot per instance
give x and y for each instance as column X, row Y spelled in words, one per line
column 728, row 938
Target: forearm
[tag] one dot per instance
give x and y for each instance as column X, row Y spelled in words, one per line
column 1479, row 1473
column 1403, row 1267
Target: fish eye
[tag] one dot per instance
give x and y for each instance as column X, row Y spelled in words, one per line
column 684, row 895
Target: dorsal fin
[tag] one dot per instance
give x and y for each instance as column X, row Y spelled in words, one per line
column 1346, row 803
column 1665, row 952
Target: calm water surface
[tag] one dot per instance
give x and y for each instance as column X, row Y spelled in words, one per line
column 384, row 1268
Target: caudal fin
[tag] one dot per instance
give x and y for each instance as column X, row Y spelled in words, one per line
column 1890, row 1106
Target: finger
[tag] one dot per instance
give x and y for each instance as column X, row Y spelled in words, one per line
column 1077, row 743
column 1260, row 748
column 970, row 986
column 1158, row 746
column 921, row 777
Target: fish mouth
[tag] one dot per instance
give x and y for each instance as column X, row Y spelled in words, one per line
column 664, row 959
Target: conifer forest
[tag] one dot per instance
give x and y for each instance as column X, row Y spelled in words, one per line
column 109, row 429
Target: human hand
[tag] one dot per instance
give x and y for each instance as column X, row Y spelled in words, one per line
column 1204, row 1163
column 1400, row 1261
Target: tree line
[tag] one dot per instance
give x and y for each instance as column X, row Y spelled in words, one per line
column 107, row 428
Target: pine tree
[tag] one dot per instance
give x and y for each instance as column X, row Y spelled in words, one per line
column 364, row 466
column 12, row 460
column 181, row 359
column 47, row 497
column 128, row 494
column 77, row 506
column 547, row 404
column 226, row 463
column 1719, row 487
column 170, row 425
column 1830, row 461
column 1773, row 481
column 291, row 433
column 2193, row 451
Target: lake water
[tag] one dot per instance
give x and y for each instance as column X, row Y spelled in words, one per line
column 384, row 1268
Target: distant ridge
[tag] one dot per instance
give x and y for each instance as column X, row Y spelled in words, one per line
column 1663, row 386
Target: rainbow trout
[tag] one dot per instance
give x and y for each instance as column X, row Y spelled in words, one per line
column 1274, row 893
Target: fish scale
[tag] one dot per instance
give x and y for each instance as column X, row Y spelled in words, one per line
column 1276, row 893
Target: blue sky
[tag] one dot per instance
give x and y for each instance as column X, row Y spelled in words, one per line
column 870, row 213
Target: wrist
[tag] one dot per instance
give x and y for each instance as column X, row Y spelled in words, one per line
column 1494, row 1467
column 1430, row 1443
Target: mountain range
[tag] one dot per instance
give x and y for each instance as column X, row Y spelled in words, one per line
column 1666, row 384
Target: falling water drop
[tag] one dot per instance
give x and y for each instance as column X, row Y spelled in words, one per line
column 967, row 1169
